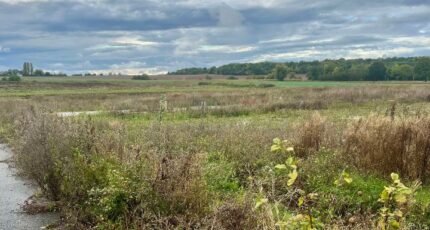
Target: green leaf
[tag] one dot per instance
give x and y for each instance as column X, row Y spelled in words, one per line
column 395, row 224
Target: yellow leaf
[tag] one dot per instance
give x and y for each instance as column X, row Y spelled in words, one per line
column 313, row 196
column 348, row 180
column 385, row 195
column 394, row 176
column 400, row 198
column 293, row 176
column 277, row 141
column 281, row 166
column 275, row 148
column 260, row 202
column 301, row 201
column 290, row 161
column 398, row 213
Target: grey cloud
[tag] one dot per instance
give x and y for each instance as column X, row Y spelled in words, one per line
column 167, row 34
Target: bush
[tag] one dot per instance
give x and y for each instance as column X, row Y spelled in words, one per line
column 39, row 150
column 141, row 77
column 13, row 78
column 232, row 78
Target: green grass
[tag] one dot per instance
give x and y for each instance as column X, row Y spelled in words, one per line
column 51, row 86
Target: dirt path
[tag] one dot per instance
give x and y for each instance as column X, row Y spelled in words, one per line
column 13, row 192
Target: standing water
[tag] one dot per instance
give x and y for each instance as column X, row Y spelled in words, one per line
column 13, row 192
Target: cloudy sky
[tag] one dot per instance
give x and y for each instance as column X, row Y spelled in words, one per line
column 152, row 36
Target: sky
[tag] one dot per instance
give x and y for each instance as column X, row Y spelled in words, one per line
column 155, row 36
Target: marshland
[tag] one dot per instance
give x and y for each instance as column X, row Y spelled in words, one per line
column 223, row 153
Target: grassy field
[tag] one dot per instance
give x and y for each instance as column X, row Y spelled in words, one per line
column 204, row 154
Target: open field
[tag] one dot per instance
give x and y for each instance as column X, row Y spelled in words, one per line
column 200, row 154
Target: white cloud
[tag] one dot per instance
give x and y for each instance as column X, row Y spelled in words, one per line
column 286, row 39
column 296, row 55
column 4, row 49
column 376, row 53
column 348, row 53
column 124, row 43
column 134, row 41
column 238, row 4
column 132, row 68
column 224, row 49
column 412, row 41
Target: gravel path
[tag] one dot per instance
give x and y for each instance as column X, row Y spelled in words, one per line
column 13, row 192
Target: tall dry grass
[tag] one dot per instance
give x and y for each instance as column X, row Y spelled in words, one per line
column 385, row 145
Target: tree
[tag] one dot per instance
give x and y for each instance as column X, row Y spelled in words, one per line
column 401, row 72
column 39, row 72
column 279, row 72
column 357, row 72
column 315, row 72
column 422, row 69
column 27, row 69
column 377, row 71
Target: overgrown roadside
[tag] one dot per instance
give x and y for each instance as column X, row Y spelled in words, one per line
column 14, row 191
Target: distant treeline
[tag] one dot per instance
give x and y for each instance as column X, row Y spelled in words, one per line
column 28, row 70
column 411, row 68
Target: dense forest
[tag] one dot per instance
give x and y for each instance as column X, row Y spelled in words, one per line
column 411, row 68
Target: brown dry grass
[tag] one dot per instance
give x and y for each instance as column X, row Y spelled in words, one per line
column 385, row 145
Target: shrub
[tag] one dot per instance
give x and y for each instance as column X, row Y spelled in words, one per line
column 141, row 77
column 13, row 78
column 232, row 78
column 42, row 143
